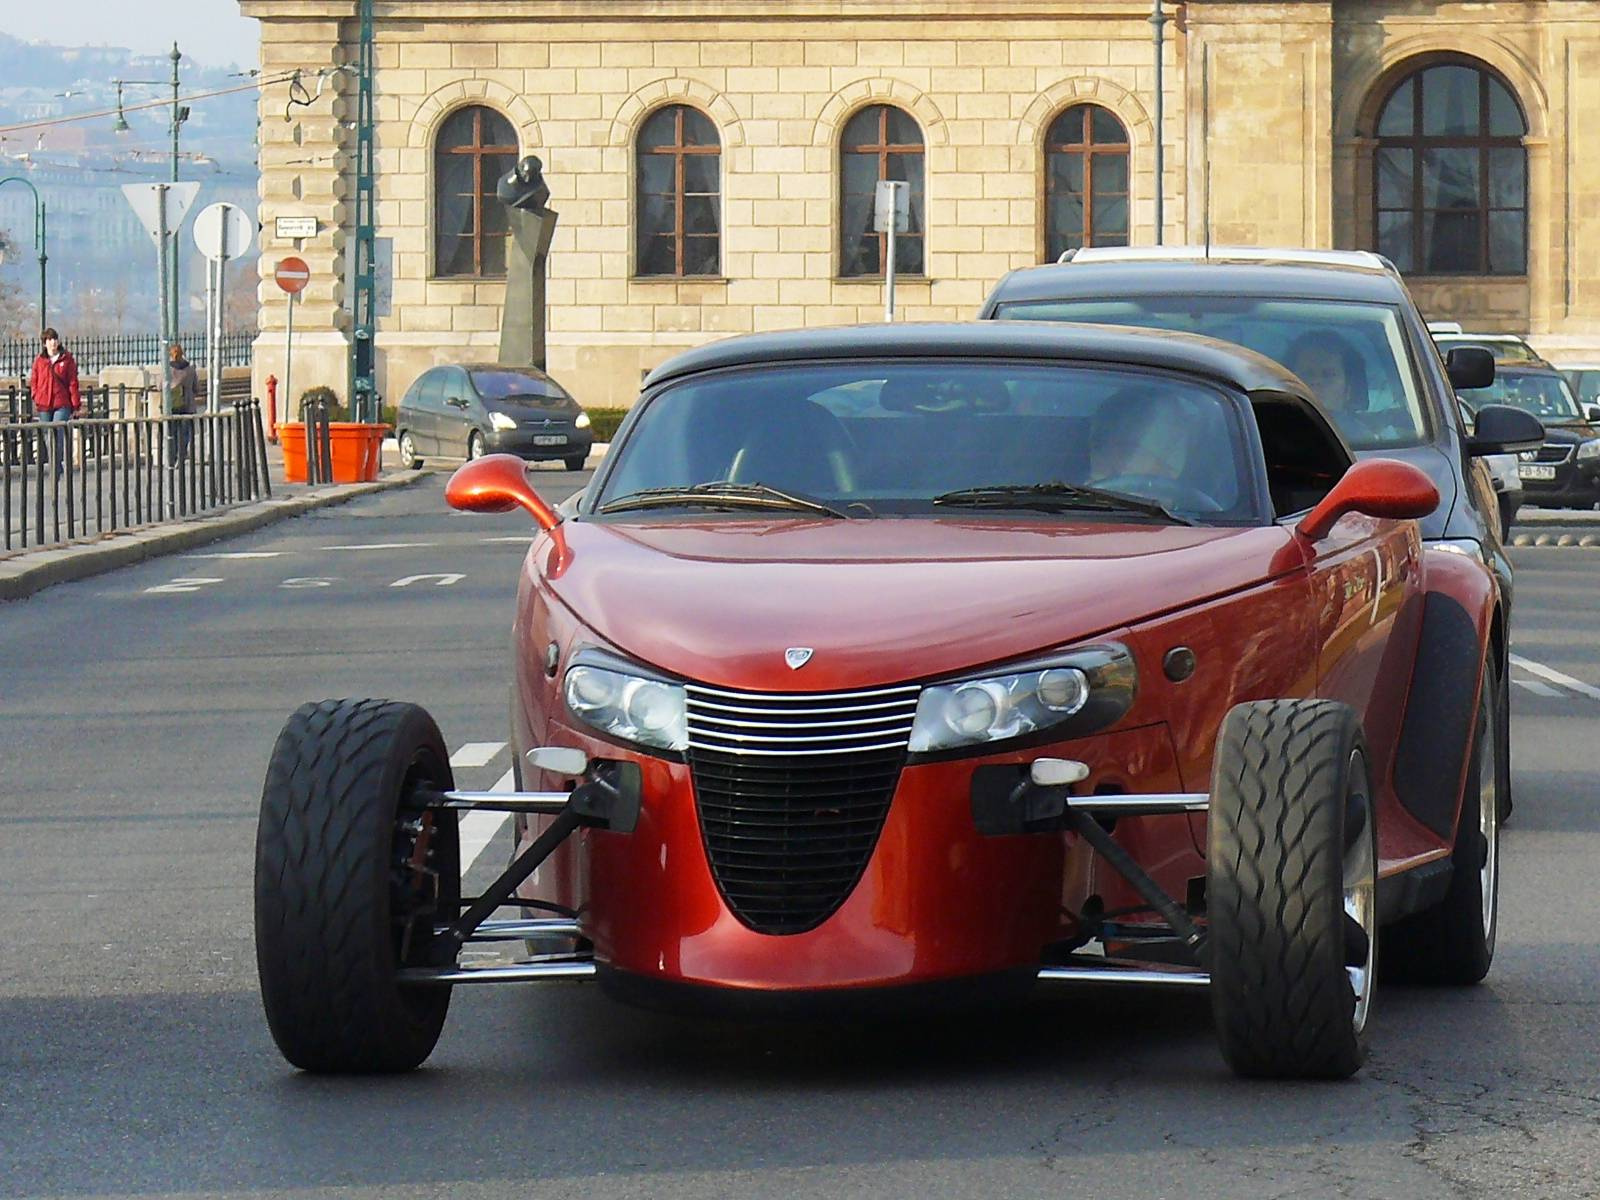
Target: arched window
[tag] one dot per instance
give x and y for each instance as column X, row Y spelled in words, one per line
column 679, row 164
column 1451, row 175
column 475, row 147
column 1086, row 180
column 879, row 143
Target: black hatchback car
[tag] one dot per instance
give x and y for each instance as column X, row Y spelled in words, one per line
column 1565, row 471
column 467, row 411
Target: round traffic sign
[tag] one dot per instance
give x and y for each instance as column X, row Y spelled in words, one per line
column 223, row 227
column 292, row 274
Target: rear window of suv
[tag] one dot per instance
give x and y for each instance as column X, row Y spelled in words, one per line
column 1352, row 355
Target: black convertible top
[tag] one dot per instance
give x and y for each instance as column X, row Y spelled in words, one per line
column 1220, row 361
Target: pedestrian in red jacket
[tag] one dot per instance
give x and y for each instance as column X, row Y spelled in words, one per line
column 54, row 388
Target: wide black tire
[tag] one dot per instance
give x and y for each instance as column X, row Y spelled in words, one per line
column 1502, row 694
column 339, row 905
column 575, row 462
column 1453, row 942
column 1290, row 808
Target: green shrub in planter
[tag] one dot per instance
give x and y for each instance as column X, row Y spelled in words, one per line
column 325, row 395
column 604, row 421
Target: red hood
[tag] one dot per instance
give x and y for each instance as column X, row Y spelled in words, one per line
column 881, row 600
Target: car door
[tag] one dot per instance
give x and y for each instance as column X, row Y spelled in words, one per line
column 457, row 401
column 426, row 430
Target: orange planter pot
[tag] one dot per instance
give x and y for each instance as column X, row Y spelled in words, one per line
column 357, row 451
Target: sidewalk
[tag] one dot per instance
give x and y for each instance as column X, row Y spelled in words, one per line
column 26, row 573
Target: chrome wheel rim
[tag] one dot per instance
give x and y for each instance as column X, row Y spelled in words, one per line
column 1489, row 827
column 408, row 451
column 1360, row 893
column 474, row 446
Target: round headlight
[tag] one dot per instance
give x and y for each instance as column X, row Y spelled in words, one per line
column 650, row 706
column 972, row 708
column 589, row 691
column 582, row 422
column 1063, row 689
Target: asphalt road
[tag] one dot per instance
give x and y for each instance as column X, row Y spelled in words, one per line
column 137, row 710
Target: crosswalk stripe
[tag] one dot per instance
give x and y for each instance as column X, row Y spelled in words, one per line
column 476, row 754
column 1537, row 688
column 479, row 827
column 1554, row 676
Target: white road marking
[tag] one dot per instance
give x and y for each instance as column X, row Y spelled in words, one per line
column 1554, row 676
column 476, row 754
column 479, row 827
column 240, row 554
column 184, row 583
column 382, row 546
column 517, row 537
column 443, row 579
column 305, row 581
column 1538, row 689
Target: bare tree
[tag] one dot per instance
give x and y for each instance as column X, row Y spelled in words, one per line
column 16, row 313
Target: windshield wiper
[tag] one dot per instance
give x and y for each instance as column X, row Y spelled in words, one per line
column 1057, row 497
column 720, row 493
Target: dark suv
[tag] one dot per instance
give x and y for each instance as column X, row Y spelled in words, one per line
column 1341, row 320
column 1565, row 471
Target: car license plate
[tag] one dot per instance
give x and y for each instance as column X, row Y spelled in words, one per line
column 1535, row 471
column 560, row 439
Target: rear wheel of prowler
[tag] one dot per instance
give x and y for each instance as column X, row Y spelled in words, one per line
column 1453, row 942
column 352, row 876
column 1291, row 891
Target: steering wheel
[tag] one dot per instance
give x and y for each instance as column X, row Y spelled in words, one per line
column 1171, row 493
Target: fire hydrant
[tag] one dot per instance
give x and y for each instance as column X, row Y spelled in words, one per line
column 272, row 409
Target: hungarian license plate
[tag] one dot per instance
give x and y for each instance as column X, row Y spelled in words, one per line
column 1535, row 471
column 549, row 439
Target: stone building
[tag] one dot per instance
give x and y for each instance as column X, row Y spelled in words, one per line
column 712, row 160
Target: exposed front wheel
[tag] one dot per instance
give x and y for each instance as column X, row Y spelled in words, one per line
column 352, row 876
column 1291, row 890
column 1453, row 942
column 474, row 445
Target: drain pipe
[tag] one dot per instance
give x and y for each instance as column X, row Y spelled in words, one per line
column 1158, row 21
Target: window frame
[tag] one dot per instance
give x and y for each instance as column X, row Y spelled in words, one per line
column 679, row 151
column 478, row 150
column 1087, row 149
column 883, row 149
column 1416, row 145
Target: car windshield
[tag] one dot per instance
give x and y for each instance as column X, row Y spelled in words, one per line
column 1352, row 355
column 1545, row 396
column 1504, row 349
column 517, row 387
column 1586, row 383
column 948, row 437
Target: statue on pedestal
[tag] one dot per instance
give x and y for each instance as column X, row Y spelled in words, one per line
column 526, row 195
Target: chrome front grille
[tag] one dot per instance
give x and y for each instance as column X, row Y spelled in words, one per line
column 792, row 792
column 1555, row 452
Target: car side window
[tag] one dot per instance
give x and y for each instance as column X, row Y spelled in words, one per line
column 456, row 386
column 430, row 391
column 1302, row 463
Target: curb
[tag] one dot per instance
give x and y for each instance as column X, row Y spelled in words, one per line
column 32, row 572
column 1587, row 541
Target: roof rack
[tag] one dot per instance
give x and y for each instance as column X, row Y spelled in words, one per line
column 1274, row 254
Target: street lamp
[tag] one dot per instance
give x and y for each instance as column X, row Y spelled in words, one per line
column 180, row 114
column 38, row 236
column 1158, row 21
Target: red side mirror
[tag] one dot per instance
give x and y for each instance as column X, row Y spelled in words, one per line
column 1377, row 487
column 497, row 483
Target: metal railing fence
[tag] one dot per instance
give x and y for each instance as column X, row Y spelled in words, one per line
column 61, row 481
column 94, row 354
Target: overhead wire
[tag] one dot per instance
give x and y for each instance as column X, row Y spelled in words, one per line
column 71, row 118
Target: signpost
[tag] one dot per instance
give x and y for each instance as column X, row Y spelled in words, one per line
column 290, row 228
column 161, row 208
column 292, row 275
column 221, row 232
column 891, row 214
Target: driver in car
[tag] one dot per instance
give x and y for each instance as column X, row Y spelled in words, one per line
column 1337, row 376
column 1137, row 439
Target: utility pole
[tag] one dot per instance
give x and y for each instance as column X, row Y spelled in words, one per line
column 178, row 116
column 1158, row 21
column 363, row 390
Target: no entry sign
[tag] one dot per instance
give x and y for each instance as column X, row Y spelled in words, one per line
column 292, row 275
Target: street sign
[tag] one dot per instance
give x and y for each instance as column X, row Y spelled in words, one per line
column 292, row 275
column 891, row 205
column 215, row 220
column 146, row 201
column 289, row 228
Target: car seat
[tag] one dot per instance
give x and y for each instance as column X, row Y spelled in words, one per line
column 800, row 445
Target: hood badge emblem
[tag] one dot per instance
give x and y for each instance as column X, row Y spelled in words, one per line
column 797, row 656
column 1529, row 455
